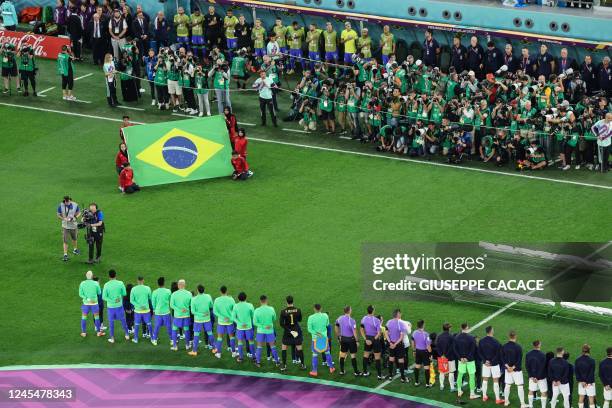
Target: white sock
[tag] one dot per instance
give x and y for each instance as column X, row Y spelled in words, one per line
column 543, row 401
column 606, row 404
column 507, row 393
column 530, row 399
column 521, row 393
column 581, row 405
column 451, row 379
column 496, row 390
column 442, row 375
column 555, row 395
column 566, row 403
column 485, row 383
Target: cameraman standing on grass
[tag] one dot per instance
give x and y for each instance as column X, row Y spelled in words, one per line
column 68, row 211
column 93, row 219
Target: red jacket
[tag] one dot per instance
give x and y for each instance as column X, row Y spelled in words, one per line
column 240, row 145
column 120, row 159
column 240, row 164
column 230, row 122
column 126, row 178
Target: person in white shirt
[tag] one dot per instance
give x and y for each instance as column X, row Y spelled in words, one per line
column 264, row 86
column 603, row 130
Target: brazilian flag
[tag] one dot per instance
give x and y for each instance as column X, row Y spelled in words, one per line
column 173, row 152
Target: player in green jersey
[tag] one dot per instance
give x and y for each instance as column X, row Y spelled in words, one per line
column 160, row 300
column 113, row 293
column 181, row 22
column 223, row 308
column 295, row 36
column 180, row 302
column 281, row 35
column 264, row 318
column 89, row 290
column 140, row 298
column 318, row 324
column 331, row 45
column 201, row 306
column 242, row 316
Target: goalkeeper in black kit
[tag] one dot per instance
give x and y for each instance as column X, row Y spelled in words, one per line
column 290, row 318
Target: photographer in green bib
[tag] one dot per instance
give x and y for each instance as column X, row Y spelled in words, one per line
column 27, row 69
column 9, row 66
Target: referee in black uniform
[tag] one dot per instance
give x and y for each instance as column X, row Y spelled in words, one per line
column 290, row 318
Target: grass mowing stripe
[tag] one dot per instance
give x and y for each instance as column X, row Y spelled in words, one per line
column 557, row 276
column 330, row 149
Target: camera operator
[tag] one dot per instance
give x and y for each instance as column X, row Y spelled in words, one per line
column 68, row 211
column 93, row 222
column 175, row 91
column 220, row 74
column 9, row 66
column 27, row 69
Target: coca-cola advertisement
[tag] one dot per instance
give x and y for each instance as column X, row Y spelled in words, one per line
column 44, row 46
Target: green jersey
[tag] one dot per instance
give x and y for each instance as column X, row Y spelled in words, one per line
column 161, row 77
column 113, row 293
column 387, row 41
column 64, row 64
column 436, row 112
column 353, row 104
column 180, row 302
column 140, row 296
column 219, row 82
column 295, row 37
column 326, row 104
column 223, row 308
column 88, row 291
column 258, row 35
column 263, row 319
column 243, row 315
column 365, row 46
column 200, row 84
column 160, row 300
column 450, row 89
column 317, row 324
column 201, row 306
column 341, row 103
column 181, row 21
column 238, row 66
column 281, row 35
column 330, row 41
column 8, row 59
column 197, row 25
column 230, row 26
column 312, row 38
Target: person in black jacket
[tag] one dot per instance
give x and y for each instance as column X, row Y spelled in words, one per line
column 558, row 372
column 588, row 73
column 489, row 349
column 584, row 368
column 511, row 356
column 213, row 29
column 605, row 375
column 535, row 362
column 98, row 38
column 243, row 34
column 458, row 55
column 140, row 32
column 75, row 30
column 446, row 356
column 465, row 350
column 475, row 58
column 493, row 58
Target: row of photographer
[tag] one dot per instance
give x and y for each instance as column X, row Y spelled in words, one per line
column 392, row 105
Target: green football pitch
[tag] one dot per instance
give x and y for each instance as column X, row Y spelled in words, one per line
column 295, row 228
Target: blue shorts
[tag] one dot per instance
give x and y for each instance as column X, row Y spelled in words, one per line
column 348, row 58
column 225, row 329
column 265, row 338
column 182, row 40
column 314, row 55
column 197, row 40
column 162, row 320
column 115, row 313
column 198, row 326
column 142, row 318
column 86, row 309
column 181, row 321
column 385, row 59
column 260, row 52
column 243, row 335
column 232, row 43
column 295, row 53
column 331, row 56
column 283, row 50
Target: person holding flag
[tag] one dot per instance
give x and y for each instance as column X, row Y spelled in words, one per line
column 317, row 327
column 201, row 305
column 89, row 290
column 180, row 302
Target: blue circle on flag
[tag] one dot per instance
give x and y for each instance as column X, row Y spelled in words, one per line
column 179, row 152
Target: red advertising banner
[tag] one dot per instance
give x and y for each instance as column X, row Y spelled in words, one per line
column 44, row 46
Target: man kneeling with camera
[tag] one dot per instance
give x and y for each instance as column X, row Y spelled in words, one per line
column 93, row 222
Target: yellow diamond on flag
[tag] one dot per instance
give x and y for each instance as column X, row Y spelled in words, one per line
column 179, row 152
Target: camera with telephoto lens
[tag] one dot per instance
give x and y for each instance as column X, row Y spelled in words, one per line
column 88, row 219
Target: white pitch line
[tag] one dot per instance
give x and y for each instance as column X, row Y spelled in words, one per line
column 295, row 130
column 185, row 116
column 45, row 91
column 345, row 137
column 246, row 124
column 330, row 149
column 395, row 377
column 80, row 101
column 545, row 283
column 83, row 76
column 131, row 107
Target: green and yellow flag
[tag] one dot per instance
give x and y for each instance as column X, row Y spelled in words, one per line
column 172, row 152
